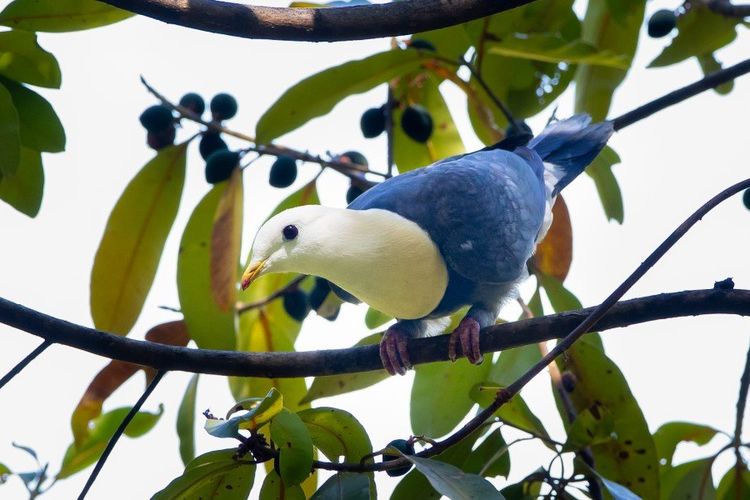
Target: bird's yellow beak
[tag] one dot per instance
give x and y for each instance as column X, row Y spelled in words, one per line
column 252, row 272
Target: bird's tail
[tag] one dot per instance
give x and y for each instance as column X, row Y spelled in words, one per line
column 568, row 146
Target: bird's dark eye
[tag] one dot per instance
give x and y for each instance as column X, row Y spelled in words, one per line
column 290, row 232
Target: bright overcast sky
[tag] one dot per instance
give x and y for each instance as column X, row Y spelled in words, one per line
column 686, row 369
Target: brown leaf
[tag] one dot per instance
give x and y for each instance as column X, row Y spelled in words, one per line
column 116, row 373
column 555, row 252
column 226, row 240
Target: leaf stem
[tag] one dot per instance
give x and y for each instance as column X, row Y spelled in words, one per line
column 24, row 362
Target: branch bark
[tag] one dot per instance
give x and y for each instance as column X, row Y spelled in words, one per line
column 366, row 358
column 316, row 25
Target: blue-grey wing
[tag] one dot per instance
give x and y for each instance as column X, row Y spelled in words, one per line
column 483, row 210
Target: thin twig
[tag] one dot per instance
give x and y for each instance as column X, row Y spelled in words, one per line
column 737, row 440
column 710, row 81
column 24, row 362
column 388, row 112
column 728, row 9
column 363, row 358
column 500, row 104
column 243, row 308
column 116, row 436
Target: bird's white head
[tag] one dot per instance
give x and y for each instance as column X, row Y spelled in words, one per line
column 289, row 241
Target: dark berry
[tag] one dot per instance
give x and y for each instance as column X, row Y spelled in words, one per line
column 319, row 293
column 283, row 172
column 418, row 43
column 210, row 143
column 746, row 198
column 296, row 305
column 354, row 157
column 220, row 164
column 662, row 23
column 193, row 102
column 352, row 193
column 372, row 122
column 156, row 118
column 404, row 447
column 161, row 138
column 568, row 381
column 417, row 123
column 223, row 107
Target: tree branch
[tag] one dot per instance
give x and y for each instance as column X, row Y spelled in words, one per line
column 363, row 358
column 681, row 94
column 316, row 25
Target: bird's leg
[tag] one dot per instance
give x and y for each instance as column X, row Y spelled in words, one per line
column 467, row 333
column 393, row 350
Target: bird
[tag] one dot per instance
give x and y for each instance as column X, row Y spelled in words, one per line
column 422, row 245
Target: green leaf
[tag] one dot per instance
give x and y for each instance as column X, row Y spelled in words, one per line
column 291, row 437
column 102, row 429
column 336, row 433
column 24, row 189
column 451, row 42
column 375, row 318
column 208, row 325
column 560, row 297
column 735, row 484
column 60, row 15
column 528, row 489
column 445, row 140
column 550, row 47
column 512, row 363
column 686, row 480
column 40, row 127
column 618, row 491
column 274, row 489
column 415, row 484
column 600, row 170
column 700, row 32
column 333, row 385
column 10, row 133
column 453, row 482
column 591, row 426
column 490, row 458
column 22, row 59
column 709, row 64
column 344, row 486
column 226, row 243
column 608, row 30
column 435, row 413
column 186, row 421
column 669, row 435
column 215, row 475
column 133, row 241
column 306, row 195
column 515, row 412
column 295, row 107
column 4, row 470
column 630, row 457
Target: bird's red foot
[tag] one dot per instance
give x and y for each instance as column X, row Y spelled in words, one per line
column 393, row 352
column 467, row 333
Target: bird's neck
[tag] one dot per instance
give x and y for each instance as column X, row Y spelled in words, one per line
column 381, row 258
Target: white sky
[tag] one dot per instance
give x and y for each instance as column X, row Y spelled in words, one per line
column 684, row 369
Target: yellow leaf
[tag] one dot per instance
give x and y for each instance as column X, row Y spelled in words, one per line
column 555, row 252
column 133, row 241
column 226, row 240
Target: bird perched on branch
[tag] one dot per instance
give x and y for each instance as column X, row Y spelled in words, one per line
column 423, row 244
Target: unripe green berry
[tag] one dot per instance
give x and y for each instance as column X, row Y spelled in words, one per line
column 404, row 447
column 354, row 157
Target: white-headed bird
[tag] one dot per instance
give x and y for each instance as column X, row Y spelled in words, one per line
column 423, row 244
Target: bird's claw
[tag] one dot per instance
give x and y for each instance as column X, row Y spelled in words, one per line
column 393, row 351
column 467, row 333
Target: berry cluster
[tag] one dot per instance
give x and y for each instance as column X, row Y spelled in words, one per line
column 416, row 122
column 298, row 303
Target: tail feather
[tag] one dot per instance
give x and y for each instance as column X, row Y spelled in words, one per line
column 568, row 146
